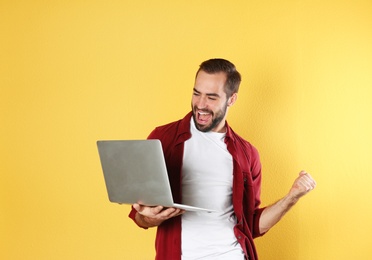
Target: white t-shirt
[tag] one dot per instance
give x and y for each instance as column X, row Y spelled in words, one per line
column 207, row 182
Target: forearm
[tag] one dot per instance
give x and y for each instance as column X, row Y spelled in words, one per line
column 274, row 213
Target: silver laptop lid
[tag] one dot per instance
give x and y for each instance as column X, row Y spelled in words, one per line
column 135, row 172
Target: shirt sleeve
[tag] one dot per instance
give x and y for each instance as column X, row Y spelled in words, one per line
column 256, row 178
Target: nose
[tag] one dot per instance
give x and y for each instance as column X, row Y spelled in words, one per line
column 201, row 102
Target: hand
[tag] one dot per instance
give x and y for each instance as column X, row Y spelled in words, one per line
column 302, row 185
column 153, row 216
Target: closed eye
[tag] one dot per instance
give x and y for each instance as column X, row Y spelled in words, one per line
column 211, row 96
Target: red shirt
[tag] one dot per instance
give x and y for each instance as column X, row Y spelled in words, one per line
column 246, row 188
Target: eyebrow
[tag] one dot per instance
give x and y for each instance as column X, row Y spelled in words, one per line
column 208, row 94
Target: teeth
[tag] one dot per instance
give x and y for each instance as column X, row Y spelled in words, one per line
column 203, row 113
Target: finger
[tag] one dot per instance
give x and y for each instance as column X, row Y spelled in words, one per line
column 302, row 184
column 157, row 209
column 171, row 212
column 308, row 183
column 307, row 177
column 136, row 206
column 179, row 212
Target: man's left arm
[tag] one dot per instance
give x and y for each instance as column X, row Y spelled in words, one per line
column 272, row 214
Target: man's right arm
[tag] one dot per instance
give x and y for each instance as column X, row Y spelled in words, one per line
column 147, row 217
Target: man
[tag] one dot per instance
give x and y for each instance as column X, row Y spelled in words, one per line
column 210, row 166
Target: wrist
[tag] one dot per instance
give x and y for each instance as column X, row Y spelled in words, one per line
column 145, row 222
column 291, row 199
column 141, row 221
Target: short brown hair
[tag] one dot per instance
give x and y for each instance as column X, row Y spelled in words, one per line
column 233, row 77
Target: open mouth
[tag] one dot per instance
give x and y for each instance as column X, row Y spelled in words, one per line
column 203, row 117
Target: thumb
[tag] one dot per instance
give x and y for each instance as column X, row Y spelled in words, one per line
column 137, row 207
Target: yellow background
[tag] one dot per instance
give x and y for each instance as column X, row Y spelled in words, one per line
column 73, row 72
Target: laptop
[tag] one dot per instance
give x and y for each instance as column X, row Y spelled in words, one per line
column 135, row 172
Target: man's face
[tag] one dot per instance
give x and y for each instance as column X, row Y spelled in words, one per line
column 209, row 103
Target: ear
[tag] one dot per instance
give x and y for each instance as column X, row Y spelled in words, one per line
column 232, row 99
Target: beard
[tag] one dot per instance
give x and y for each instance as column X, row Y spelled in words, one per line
column 216, row 118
